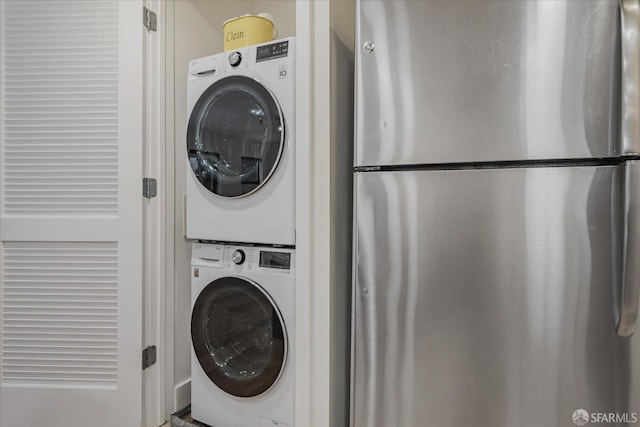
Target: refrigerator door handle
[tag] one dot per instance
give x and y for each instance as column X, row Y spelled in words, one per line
column 631, row 251
column 630, row 100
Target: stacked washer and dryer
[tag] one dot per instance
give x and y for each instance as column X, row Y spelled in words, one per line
column 241, row 211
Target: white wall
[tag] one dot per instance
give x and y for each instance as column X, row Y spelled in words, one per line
column 283, row 11
column 193, row 36
column 197, row 33
column 324, row 205
column 342, row 68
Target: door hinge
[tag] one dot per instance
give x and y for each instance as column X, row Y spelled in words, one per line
column 149, row 188
column 149, row 19
column 149, row 356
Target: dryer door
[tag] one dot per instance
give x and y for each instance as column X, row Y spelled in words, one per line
column 235, row 136
column 238, row 336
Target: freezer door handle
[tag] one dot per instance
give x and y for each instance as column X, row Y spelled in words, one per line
column 631, row 251
column 630, row 100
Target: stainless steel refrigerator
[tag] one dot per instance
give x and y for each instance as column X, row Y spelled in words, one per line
column 497, row 214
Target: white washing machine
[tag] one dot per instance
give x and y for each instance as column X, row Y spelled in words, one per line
column 242, row 323
column 240, row 145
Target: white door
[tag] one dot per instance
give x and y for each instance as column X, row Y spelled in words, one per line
column 70, row 213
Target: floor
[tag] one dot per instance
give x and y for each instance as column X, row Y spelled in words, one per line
column 183, row 418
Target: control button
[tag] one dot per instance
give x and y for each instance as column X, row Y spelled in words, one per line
column 238, row 256
column 235, row 59
column 284, row 71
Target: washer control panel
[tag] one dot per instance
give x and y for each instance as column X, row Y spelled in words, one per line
column 279, row 260
column 263, row 259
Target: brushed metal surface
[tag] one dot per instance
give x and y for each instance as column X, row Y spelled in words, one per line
column 489, row 298
column 630, row 42
column 468, row 80
column 631, row 251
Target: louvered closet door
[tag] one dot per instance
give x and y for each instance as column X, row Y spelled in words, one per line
column 70, row 213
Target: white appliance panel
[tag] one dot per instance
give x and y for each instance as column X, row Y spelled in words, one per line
column 241, row 147
column 272, row 270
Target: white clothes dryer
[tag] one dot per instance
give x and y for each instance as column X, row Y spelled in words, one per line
column 240, row 145
column 242, row 325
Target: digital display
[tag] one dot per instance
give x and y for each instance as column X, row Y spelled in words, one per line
column 272, row 51
column 280, row 260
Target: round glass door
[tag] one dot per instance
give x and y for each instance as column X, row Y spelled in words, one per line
column 235, row 136
column 238, row 336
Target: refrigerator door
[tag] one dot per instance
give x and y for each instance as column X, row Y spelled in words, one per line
column 491, row 298
column 492, row 80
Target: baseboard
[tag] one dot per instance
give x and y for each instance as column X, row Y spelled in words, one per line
column 182, row 394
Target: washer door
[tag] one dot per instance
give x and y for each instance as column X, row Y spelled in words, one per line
column 235, row 136
column 238, row 336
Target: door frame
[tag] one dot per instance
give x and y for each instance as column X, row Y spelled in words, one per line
column 319, row 382
column 164, row 264
column 157, row 216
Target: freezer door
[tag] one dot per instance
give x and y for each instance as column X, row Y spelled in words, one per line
column 490, row 298
column 468, row 81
